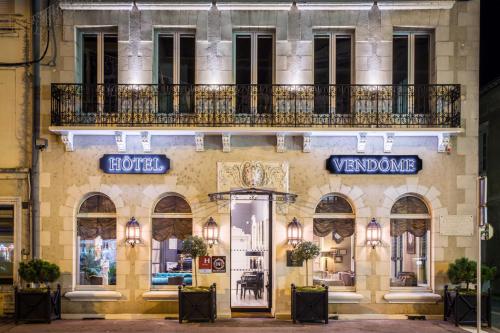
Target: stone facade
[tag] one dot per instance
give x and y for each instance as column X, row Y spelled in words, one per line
column 15, row 132
column 447, row 182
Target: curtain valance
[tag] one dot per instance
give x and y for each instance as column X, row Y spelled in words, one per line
column 416, row 227
column 90, row 228
column 165, row 228
column 323, row 226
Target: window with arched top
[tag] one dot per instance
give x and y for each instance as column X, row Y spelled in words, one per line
column 334, row 229
column 410, row 238
column 172, row 222
column 96, row 239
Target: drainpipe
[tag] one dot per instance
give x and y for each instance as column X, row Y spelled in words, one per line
column 34, row 174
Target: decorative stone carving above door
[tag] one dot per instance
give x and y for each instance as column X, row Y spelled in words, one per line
column 248, row 174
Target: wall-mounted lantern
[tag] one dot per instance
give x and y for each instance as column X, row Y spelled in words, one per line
column 133, row 232
column 373, row 233
column 211, row 232
column 294, row 232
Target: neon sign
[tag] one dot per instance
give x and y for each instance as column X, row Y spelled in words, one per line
column 374, row 164
column 134, row 164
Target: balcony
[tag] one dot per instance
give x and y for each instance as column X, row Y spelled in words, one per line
column 269, row 106
column 122, row 110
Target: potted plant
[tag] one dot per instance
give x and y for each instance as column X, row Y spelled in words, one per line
column 309, row 303
column 460, row 304
column 196, row 303
column 36, row 302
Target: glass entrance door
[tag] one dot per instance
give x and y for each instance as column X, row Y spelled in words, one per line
column 250, row 252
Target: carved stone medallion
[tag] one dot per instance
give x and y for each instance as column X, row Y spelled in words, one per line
column 259, row 174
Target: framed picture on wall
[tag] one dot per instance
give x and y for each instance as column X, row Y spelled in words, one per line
column 339, row 259
column 343, row 252
column 410, row 243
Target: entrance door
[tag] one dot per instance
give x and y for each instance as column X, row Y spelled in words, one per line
column 250, row 252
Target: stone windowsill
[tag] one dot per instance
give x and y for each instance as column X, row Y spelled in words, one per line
column 161, row 295
column 344, row 297
column 412, row 297
column 93, row 295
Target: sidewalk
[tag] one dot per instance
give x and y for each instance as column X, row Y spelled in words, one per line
column 233, row 325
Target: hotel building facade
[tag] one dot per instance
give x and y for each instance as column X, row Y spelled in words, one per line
column 334, row 113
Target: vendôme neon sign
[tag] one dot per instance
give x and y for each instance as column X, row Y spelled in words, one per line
column 374, row 164
column 134, row 163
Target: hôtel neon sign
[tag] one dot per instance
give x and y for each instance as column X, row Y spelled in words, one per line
column 374, row 164
column 134, row 164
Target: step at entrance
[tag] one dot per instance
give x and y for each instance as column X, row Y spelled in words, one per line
column 236, row 314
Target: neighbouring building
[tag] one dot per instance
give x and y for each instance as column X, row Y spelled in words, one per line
column 15, row 152
column 488, row 164
column 253, row 114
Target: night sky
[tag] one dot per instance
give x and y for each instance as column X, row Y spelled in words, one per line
column 490, row 37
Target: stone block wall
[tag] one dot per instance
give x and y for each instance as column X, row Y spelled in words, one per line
column 447, row 182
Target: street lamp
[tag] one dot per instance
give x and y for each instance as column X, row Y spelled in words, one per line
column 211, row 232
column 373, row 233
column 294, row 232
column 133, row 232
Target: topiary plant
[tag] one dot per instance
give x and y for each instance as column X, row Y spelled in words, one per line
column 195, row 247
column 38, row 271
column 306, row 251
column 464, row 270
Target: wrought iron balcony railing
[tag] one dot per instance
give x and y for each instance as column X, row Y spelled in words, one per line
column 377, row 106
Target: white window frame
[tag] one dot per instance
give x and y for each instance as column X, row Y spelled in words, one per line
column 163, row 216
column 254, row 33
column 430, row 259
column 332, row 36
column 176, row 34
column 76, row 277
column 18, row 230
column 100, row 33
column 353, row 238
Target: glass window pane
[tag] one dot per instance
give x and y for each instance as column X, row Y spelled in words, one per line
column 165, row 59
column 97, row 203
column 321, row 59
column 110, row 59
column 89, row 73
column 265, row 73
column 321, row 73
column 6, row 244
column 165, row 73
column 187, row 73
column 97, row 256
column 187, row 59
column 400, row 60
column 343, row 74
column 110, row 72
column 89, row 59
column 409, row 260
column 422, row 74
column 243, row 70
column 400, row 73
column 422, row 47
column 335, row 236
column 343, row 60
column 168, row 265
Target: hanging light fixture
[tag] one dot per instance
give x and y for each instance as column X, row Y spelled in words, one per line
column 133, row 232
column 294, row 232
column 373, row 233
column 211, row 232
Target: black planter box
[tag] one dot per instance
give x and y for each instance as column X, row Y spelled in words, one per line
column 198, row 305
column 461, row 309
column 42, row 306
column 309, row 306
